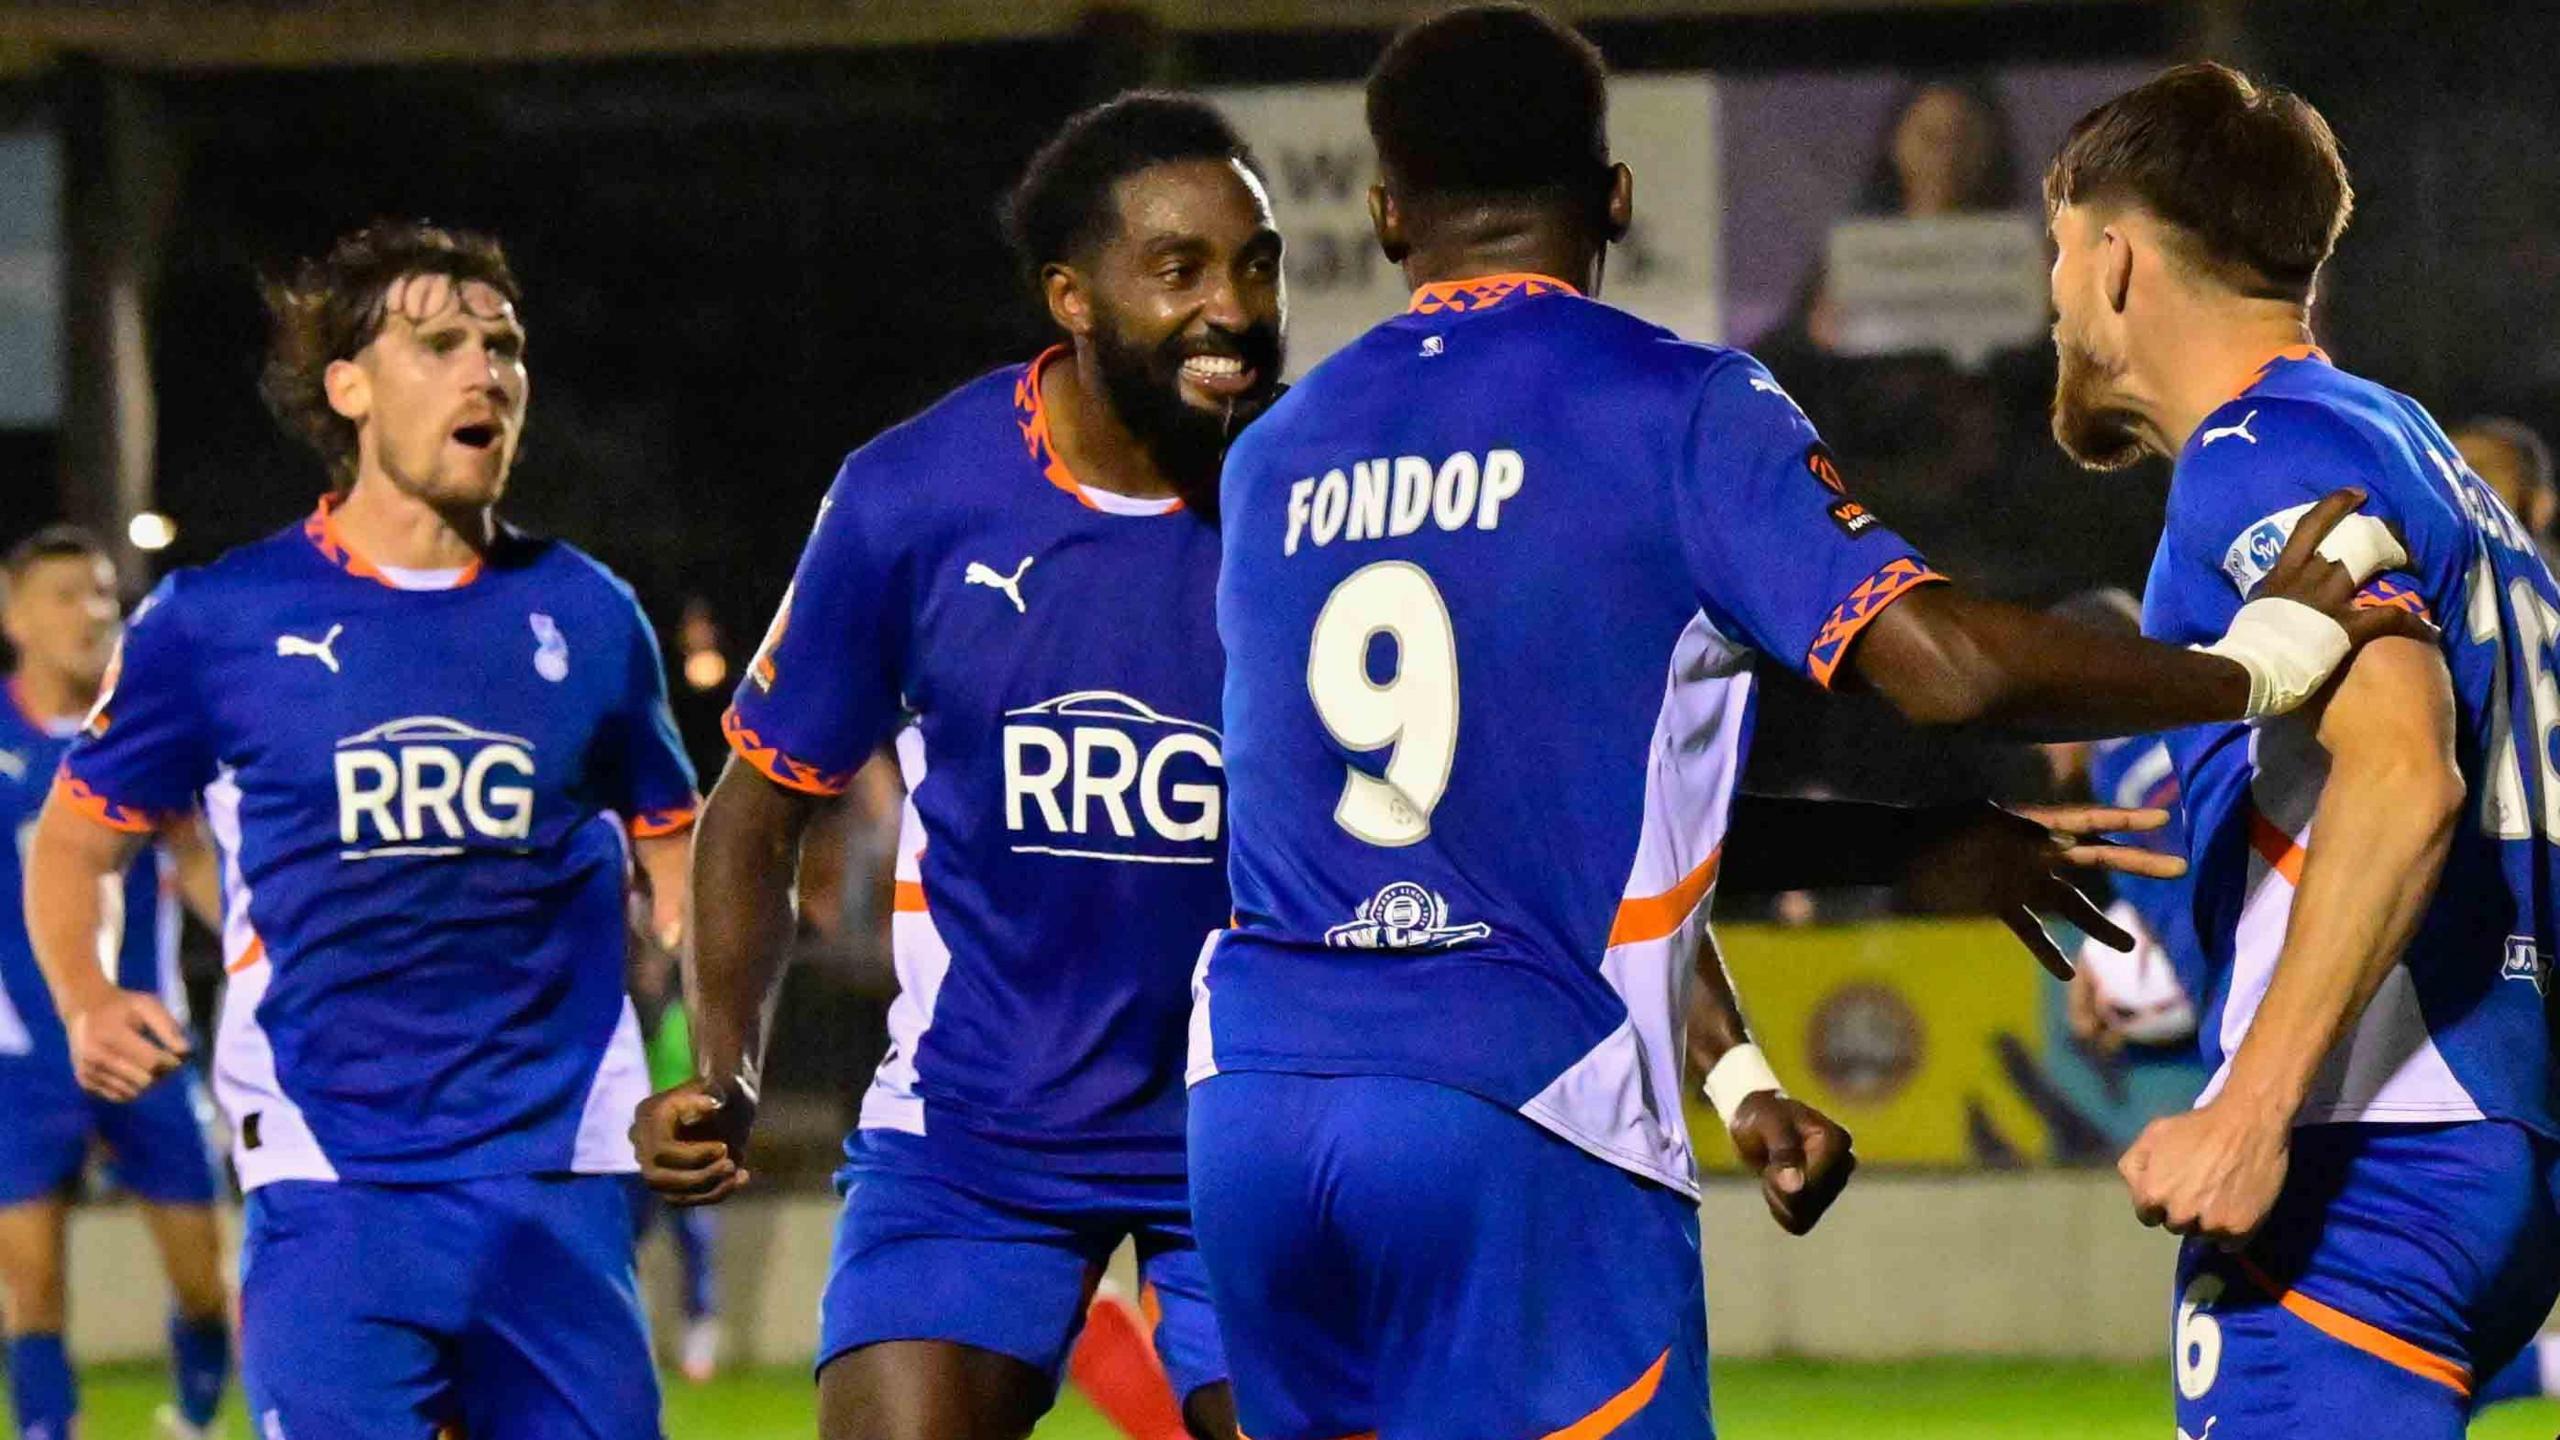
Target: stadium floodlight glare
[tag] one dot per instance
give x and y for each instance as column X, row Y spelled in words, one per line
column 705, row 669
column 151, row 530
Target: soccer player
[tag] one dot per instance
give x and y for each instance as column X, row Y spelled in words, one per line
column 1014, row 585
column 2367, row 1183
column 1492, row 576
column 58, row 607
column 428, row 746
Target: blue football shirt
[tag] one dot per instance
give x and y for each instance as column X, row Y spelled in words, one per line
column 2458, row 1029
column 1044, row 656
column 420, row 786
column 1493, row 578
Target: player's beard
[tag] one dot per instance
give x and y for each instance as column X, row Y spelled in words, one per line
column 2091, row 428
column 1144, row 385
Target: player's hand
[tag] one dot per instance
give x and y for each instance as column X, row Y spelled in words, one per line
column 2213, row 1171
column 2301, row 573
column 1803, row 1156
column 1990, row 861
column 124, row 1043
column 2090, row 1024
column 686, row 1154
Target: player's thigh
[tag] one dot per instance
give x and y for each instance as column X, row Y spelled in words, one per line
column 190, row 1244
column 350, row 1303
column 1289, row 1319
column 557, row 1346
column 1175, row 1291
column 156, row 1144
column 1518, row 1285
column 42, row 1147
column 919, row 1259
column 929, row 1390
column 2242, row 1364
column 31, row 1251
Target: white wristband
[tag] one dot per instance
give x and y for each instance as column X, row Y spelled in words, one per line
column 2364, row 545
column 2287, row 647
column 1741, row 1073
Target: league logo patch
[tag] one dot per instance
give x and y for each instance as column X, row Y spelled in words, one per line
column 2524, row 962
column 1818, row 463
column 1853, row 518
column 1403, row 916
column 2254, row 553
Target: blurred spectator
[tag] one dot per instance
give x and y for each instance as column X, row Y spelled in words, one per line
column 1947, row 148
column 2516, row 463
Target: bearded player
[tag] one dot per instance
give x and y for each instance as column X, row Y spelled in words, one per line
column 1493, row 575
column 1016, row 585
column 2367, row 1183
column 429, row 747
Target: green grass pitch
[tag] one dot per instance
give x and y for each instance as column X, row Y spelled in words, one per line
column 1772, row 1400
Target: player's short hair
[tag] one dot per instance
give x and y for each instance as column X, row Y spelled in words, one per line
column 331, row 306
column 53, row 542
column 2249, row 173
column 1062, row 205
column 2523, row 439
column 1492, row 102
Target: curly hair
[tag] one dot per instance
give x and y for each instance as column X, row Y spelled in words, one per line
column 1062, row 203
column 332, row 306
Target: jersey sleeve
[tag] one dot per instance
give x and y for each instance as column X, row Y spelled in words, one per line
column 145, row 752
column 1783, row 560
column 656, row 777
column 823, row 690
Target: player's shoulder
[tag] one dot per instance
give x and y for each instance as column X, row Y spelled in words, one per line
column 556, row 566
column 239, row 583
column 949, row 442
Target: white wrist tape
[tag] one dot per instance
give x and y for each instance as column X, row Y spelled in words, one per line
column 2364, row 545
column 2287, row 647
column 1742, row 1073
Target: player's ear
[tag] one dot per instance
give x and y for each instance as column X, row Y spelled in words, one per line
column 349, row 389
column 1620, row 210
column 2117, row 274
column 1069, row 305
column 1386, row 219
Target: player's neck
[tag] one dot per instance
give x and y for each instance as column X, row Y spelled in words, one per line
column 389, row 526
column 1098, row 447
column 50, row 696
column 2213, row 360
column 1504, row 241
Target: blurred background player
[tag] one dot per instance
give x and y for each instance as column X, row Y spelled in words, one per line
column 1464, row 951
column 1017, row 584
column 59, row 609
column 666, row 1033
column 2367, row 1185
column 2515, row 463
column 420, row 736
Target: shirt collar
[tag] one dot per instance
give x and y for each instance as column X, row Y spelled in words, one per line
column 321, row 528
column 1031, row 412
column 1482, row 293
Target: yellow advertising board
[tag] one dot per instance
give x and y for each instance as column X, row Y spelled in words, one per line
column 1897, row 1029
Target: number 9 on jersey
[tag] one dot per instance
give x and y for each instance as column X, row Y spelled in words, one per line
column 1415, row 710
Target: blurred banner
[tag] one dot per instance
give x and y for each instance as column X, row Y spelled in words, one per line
column 30, row 281
column 1313, row 142
column 1962, row 286
column 1939, row 1043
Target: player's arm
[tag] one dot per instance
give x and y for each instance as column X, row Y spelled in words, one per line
column 2379, row 837
column 1943, row 657
column 196, row 869
column 1967, row 859
column 1803, row 1155
column 121, row 1040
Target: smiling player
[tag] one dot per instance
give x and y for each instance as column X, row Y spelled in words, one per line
column 1017, row 585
